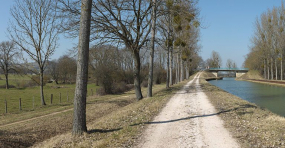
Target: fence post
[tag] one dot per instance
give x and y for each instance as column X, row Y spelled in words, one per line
column 51, row 97
column 6, row 107
column 92, row 92
column 33, row 102
column 20, row 104
column 67, row 96
column 60, row 98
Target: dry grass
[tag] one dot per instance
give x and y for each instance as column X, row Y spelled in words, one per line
column 120, row 128
column 251, row 125
column 112, row 121
column 252, row 74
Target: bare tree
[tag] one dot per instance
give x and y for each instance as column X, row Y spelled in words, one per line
column 215, row 60
column 7, row 57
column 234, row 65
column 54, row 70
column 267, row 51
column 121, row 22
column 66, row 69
column 153, row 25
column 229, row 64
column 174, row 25
column 106, row 63
column 35, row 31
column 79, row 115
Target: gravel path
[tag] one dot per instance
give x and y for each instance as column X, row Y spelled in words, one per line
column 188, row 120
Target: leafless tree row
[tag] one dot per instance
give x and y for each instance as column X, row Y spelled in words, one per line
column 267, row 50
column 138, row 41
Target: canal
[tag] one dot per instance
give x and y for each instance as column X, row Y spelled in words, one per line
column 267, row 96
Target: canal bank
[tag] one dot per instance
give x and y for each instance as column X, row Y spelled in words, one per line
column 250, row 124
column 267, row 96
column 255, row 76
column 268, row 82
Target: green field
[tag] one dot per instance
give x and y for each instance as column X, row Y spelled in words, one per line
column 30, row 97
column 14, row 79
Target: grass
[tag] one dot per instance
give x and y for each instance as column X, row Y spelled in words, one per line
column 30, row 96
column 252, row 74
column 120, row 128
column 251, row 125
column 27, row 112
column 112, row 121
column 14, row 79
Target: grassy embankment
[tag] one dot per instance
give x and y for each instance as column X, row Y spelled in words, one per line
column 251, row 125
column 255, row 76
column 12, row 95
column 112, row 121
column 252, row 74
column 32, row 107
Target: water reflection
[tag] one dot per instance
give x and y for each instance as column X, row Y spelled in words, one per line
column 268, row 96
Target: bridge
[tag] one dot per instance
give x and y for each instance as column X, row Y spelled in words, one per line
column 239, row 71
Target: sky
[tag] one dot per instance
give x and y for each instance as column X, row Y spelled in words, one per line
column 227, row 27
column 65, row 44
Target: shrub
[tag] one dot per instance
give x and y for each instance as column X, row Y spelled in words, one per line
column 144, row 83
column 36, row 79
column 100, row 91
column 159, row 75
column 25, row 83
column 4, row 86
column 121, row 87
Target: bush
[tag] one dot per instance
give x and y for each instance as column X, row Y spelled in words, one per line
column 25, row 83
column 36, row 79
column 117, row 88
column 4, row 86
column 144, row 83
column 100, row 91
column 128, row 77
column 159, row 75
column 121, row 87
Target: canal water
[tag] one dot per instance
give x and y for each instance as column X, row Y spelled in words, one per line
column 267, row 96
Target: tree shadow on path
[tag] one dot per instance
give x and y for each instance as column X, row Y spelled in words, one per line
column 245, row 106
column 199, row 116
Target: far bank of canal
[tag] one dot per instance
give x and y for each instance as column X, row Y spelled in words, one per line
column 267, row 96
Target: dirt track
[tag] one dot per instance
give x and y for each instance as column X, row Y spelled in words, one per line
column 188, row 120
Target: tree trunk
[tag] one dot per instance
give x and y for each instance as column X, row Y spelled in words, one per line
column 42, row 86
column 264, row 69
column 276, row 70
column 79, row 115
column 6, row 77
column 187, row 71
column 171, row 66
column 281, row 68
column 268, row 77
column 271, row 68
column 168, row 71
column 181, row 68
column 150, row 74
column 137, row 79
column 176, row 70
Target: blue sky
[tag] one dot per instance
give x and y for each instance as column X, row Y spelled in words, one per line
column 229, row 26
column 64, row 43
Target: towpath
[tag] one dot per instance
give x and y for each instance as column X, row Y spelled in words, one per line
column 188, row 120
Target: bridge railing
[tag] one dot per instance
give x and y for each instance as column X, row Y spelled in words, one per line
column 229, row 69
